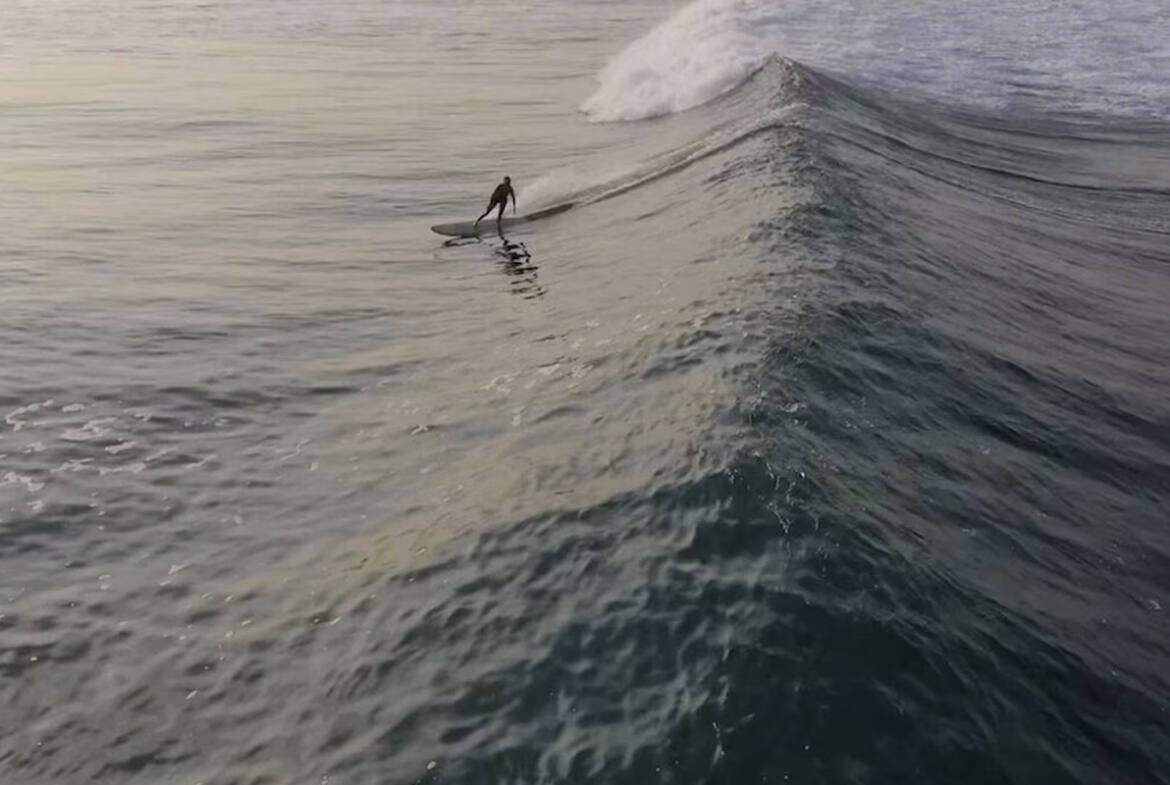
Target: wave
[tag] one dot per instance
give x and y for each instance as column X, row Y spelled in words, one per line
column 707, row 48
column 1003, row 55
column 779, row 92
column 947, row 504
column 902, row 488
column 769, row 101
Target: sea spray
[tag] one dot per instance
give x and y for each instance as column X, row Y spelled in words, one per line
column 704, row 50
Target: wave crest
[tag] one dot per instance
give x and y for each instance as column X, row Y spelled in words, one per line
column 704, row 50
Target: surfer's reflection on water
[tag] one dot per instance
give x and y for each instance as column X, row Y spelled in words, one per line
column 517, row 262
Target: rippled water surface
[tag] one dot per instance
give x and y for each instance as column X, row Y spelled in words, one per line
column 824, row 440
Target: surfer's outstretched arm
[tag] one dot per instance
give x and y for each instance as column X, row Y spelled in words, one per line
column 513, row 194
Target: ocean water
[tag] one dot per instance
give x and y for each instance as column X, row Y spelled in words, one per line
column 825, row 440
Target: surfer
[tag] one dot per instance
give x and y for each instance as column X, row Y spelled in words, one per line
column 500, row 197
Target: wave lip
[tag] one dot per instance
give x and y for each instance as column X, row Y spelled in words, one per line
column 703, row 51
column 708, row 46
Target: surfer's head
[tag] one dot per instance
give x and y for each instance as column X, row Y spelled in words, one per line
column 507, row 180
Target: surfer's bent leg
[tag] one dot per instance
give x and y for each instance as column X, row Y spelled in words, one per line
column 500, row 214
column 485, row 212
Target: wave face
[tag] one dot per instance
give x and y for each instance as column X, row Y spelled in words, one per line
column 966, row 446
column 931, row 542
column 1108, row 58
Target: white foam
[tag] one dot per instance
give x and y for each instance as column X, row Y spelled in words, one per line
column 569, row 182
column 1082, row 57
column 705, row 49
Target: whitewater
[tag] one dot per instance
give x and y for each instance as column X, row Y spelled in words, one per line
column 1034, row 55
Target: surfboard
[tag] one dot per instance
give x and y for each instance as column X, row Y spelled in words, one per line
column 488, row 224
